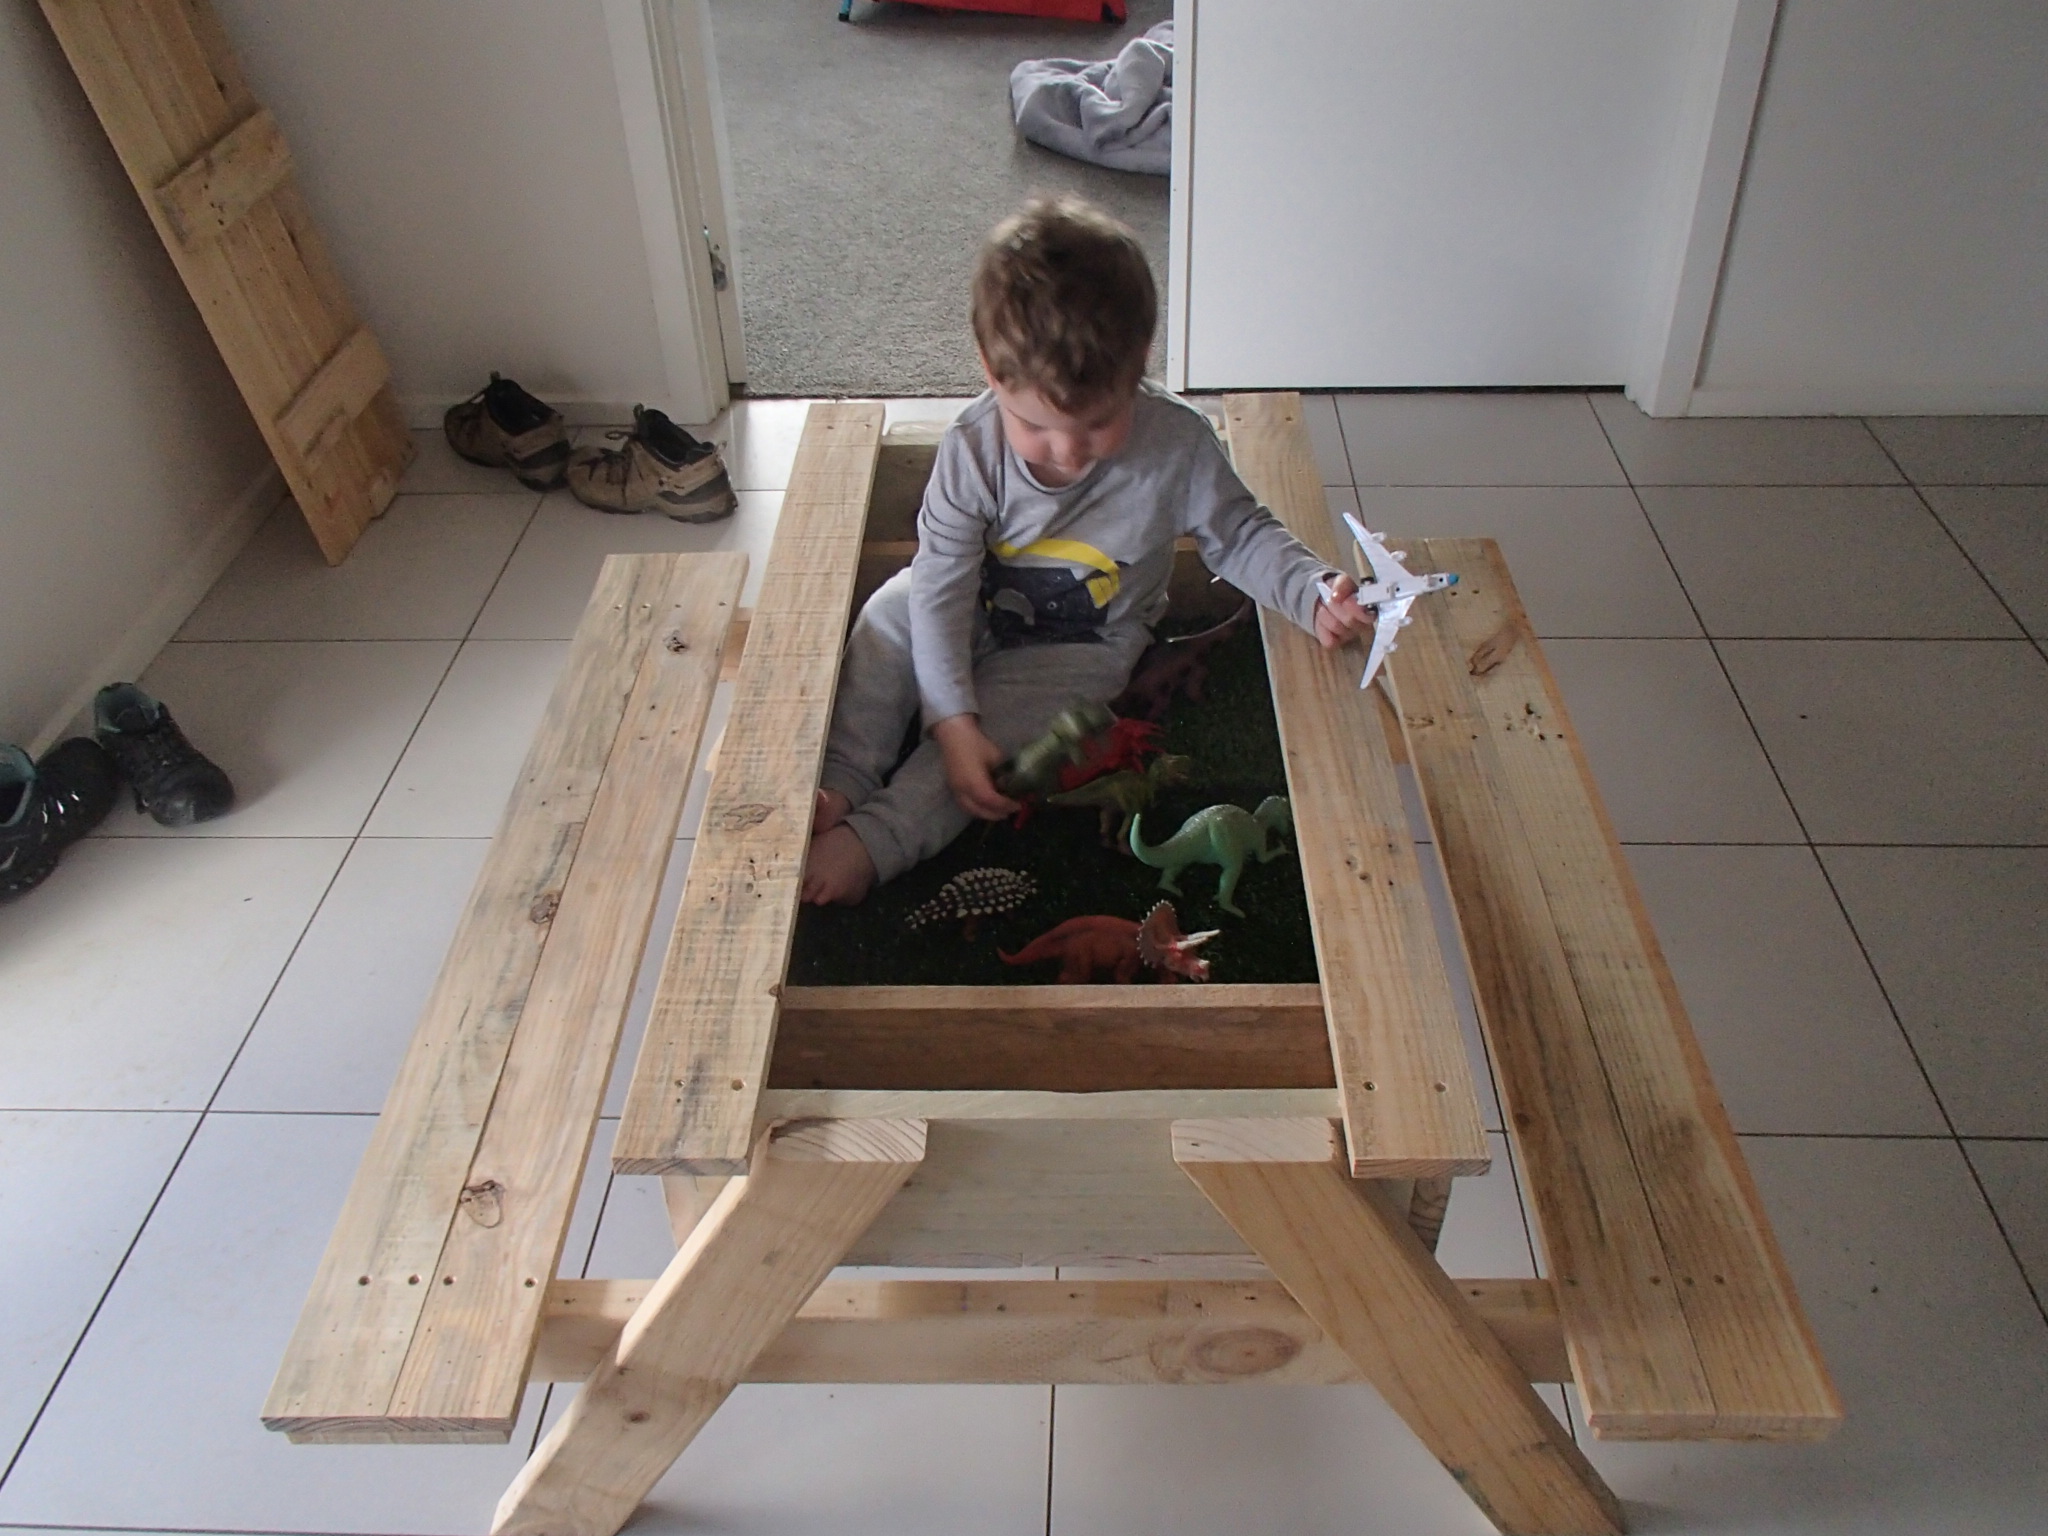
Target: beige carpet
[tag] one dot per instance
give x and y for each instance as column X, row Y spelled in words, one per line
column 868, row 160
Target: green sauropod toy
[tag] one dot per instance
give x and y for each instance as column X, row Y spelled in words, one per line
column 1221, row 834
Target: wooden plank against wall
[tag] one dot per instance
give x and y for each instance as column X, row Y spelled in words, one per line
column 693, row 1104
column 353, row 1336
column 1681, row 1316
column 215, row 178
column 1411, row 1109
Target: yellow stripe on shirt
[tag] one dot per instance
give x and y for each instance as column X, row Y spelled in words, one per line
column 1101, row 588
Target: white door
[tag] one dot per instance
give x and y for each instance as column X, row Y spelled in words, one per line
column 1461, row 193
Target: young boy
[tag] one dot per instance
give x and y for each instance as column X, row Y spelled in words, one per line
column 1043, row 550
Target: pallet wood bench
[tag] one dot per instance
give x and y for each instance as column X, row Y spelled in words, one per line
column 1262, row 1168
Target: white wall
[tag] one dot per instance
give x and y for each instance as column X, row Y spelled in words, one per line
column 468, row 166
column 129, row 469
column 1890, row 248
column 1460, row 193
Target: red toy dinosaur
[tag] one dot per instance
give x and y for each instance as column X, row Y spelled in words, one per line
column 1179, row 665
column 1122, row 747
column 1086, row 945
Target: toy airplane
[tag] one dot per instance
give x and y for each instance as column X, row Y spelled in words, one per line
column 1390, row 594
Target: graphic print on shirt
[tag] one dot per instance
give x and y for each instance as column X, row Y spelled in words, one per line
column 1048, row 604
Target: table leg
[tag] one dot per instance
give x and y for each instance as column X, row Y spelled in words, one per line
column 760, row 1251
column 1352, row 1262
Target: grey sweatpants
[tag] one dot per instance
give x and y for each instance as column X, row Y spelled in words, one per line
column 912, row 815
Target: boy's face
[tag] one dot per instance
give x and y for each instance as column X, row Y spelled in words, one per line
column 1057, row 447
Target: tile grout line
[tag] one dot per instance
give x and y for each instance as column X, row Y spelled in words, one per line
column 1813, row 851
column 1052, row 1408
column 256, row 1018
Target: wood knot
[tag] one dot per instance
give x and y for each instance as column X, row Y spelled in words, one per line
column 737, row 818
column 1242, row 1352
column 1495, row 648
column 484, row 1203
column 676, row 644
column 544, row 907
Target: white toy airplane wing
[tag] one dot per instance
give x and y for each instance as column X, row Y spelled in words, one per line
column 1385, row 568
column 1391, row 617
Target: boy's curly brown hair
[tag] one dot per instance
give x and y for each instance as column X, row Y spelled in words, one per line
column 1064, row 303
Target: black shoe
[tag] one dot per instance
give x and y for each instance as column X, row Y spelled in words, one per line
column 501, row 425
column 46, row 806
column 171, row 780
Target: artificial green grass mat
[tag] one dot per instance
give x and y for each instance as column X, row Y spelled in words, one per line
column 1235, row 744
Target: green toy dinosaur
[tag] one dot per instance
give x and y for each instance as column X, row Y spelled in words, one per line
column 1036, row 767
column 1127, row 792
column 1222, row 834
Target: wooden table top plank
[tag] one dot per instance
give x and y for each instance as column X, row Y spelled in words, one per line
column 469, row 1356
column 695, row 1093
column 1761, row 1367
column 1411, row 1109
column 345, row 1356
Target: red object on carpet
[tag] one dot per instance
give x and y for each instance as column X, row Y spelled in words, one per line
column 1059, row 10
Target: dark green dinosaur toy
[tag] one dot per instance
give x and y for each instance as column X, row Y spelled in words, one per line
column 1126, row 792
column 1036, row 767
column 1222, row 834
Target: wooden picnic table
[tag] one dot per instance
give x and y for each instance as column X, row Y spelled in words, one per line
column 1276, row 1157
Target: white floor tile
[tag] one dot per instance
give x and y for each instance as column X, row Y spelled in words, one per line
column 2015, row 1176
column 1326, row 437
column 1958, row 936
column 1583, row 557
column 439, row 470
column 759, row 440
column 308, row 730
column 74, row 1189
column 1823, row 561
column 547, row 585
column 1935, row 1345
column 1934, row 741
column 419, row 572
column 128, row 980
column 335, row 1029
column 1796, row 1031
column 461, row 764
column 1786, row 450
column 2005, row 529
column 155, row 1424
column 1476, row 439
column 857, row 1461
column 1216, row 1461
column 1673, row 757
column 1968, row 450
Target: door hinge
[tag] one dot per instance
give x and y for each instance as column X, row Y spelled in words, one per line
column 718, row 274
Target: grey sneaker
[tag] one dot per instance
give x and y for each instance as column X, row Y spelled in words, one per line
column 658, row 468
column 504, row 427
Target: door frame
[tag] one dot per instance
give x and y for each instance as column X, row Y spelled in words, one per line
column 667, row 79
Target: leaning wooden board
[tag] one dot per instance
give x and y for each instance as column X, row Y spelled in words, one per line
column 1678, row 1310
column 215, row 176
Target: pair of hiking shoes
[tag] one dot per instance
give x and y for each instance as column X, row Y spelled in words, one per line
column 658, row 467
column 49, row 803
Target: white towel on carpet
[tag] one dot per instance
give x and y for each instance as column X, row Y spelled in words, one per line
column 1118, row 112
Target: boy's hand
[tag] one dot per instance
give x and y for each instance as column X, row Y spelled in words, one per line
column 1339, row 616
column 969, row 757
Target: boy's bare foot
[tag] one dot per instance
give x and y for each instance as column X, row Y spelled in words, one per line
column 838, row 871
column 831, row 810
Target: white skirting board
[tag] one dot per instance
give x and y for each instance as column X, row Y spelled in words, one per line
column 181, row 592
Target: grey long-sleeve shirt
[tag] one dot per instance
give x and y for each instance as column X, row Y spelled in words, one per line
column 1086, row 562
